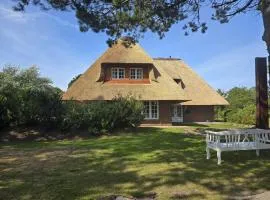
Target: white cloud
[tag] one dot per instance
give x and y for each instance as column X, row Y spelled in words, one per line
column 233, row 68
column 31, row 38
column 8, row 14
column 60, row 20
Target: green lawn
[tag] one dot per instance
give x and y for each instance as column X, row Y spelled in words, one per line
column 170, row 162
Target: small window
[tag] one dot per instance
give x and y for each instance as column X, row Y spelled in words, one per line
column 136, row 73
column 151, row 110
column 118, row 73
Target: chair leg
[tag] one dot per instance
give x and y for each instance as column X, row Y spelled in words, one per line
column 208, row 155
column 257, row 152
column 219, row 156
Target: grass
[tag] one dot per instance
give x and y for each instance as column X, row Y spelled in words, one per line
column 167, row 161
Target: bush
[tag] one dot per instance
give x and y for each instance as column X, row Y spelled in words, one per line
column 242, row 108
column 27, row 98
column 103, row 116
column 42, row 106
column 247, row 115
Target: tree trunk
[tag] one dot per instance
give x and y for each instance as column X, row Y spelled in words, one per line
column 261, row 93
column 265, row 9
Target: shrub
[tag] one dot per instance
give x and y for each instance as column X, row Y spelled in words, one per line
column 42, row 106
column 247, row 115
column 103, row 116
column 27, row 98
column 242, row 106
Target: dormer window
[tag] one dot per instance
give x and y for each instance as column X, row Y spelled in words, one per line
column 136, row 73
column 118, row 73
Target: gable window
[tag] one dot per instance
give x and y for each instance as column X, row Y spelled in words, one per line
column 136, row 73
column 151, row 110
column 118, row 73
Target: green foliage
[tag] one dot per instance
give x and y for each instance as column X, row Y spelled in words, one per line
column 118, row 17
column 73, row 80
column 241, row 97
column 101, row 116
column 242, row 108
column 245, row 115
column 27, row 98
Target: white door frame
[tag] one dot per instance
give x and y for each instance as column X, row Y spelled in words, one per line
column 177, row 113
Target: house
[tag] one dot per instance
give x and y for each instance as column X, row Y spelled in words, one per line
column 170, row 90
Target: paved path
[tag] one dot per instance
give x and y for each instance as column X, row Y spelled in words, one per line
column 262, row 196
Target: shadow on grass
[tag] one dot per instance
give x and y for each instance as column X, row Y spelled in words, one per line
column 192, row 124
column 152, row 160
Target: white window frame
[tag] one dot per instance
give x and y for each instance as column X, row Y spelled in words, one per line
column 136, row 73
column 150, row 110
column 117, row 73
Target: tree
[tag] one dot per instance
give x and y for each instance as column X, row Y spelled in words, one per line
column 26, row 97
column 242, row 107
column 134, row 17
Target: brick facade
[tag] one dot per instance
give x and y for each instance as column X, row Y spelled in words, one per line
column 199, row 113
column 164, row 114
column 191, row 114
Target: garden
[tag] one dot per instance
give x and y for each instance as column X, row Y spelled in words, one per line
column 52, row 149
column 161, row 163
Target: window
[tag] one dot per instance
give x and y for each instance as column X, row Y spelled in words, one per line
column 118, row 73
column 136, row 73
column 151, row 110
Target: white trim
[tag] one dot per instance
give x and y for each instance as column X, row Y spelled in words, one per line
column 117, row 71
column 175, row 110
column 236, row 140
column 136, row 75
column 150, row 110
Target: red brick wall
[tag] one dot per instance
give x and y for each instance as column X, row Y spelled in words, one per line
column 164, row 114
column 198, row 113
column 191, row 114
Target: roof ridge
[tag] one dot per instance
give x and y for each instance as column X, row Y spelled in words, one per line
column 163, row 58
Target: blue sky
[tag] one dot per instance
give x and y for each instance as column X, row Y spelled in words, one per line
column 223, row 56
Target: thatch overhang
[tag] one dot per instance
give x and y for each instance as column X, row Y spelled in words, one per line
column 193, row 85
column 86, row 88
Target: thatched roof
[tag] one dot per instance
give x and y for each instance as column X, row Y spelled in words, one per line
column 89, row 86
column 194, row 86
column 125, row 52
column 191, row 90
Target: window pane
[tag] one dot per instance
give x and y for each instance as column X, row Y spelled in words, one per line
column 139, row 73
column 132, row 74
column 136, row 73
column 151, row 110
column 118, row 73
column 114, row 73
column 154, row 110
column 146, row 110
column 121, row 73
